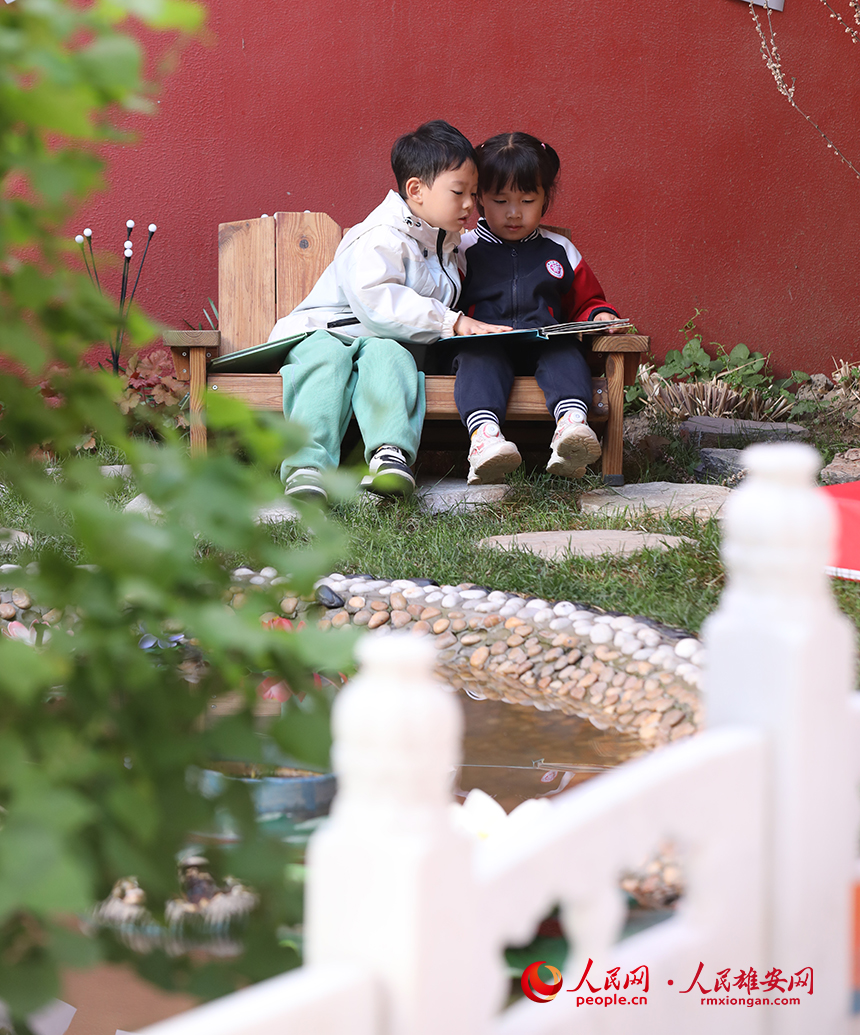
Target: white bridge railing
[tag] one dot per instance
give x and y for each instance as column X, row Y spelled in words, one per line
column 406, row 918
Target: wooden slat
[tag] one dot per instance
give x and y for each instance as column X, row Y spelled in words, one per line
column 246, row 282
column 526, row 401
column 613, row 439
column 260, row 391
column 620, row 343
column 265, row 392
column 183, row 343
column 305, row 245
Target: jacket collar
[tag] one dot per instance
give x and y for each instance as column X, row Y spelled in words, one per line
column 486, row 234
column 396, row 213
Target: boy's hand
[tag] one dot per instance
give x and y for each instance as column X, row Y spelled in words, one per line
column 466, row 325
column 609, row 330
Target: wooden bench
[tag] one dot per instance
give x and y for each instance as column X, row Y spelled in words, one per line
column 266, row 266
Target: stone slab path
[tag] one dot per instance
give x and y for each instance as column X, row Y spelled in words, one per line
column 556, row 546
column 701, row 501
column 445, row 494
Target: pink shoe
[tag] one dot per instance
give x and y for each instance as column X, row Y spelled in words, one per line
column 574, row 446
column 491, row 456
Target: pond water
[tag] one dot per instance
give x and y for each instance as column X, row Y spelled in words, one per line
column 514, row 752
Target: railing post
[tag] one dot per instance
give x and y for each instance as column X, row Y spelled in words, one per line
column 389, row 876
column 781, row 659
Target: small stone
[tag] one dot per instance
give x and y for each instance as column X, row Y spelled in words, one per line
column 499, row 647
column 476, row 622
column 447, row 639
column 420, row 629
column 687, row 648
column 450, row 600
column 415, row 610
column 361, row 617
column 605, row 653
column 339, row 620
column 323, row 624
column 544, row 616
column 355, row 604
column 53, row 616
column 377, row 619
column 512, row 622
column 560, row 623
column 601, row 634
column 491, row 620
column 479, row 657
column 430, row 612
column 650, row 637
column 289, row 605
column 684, row 729
column 8, row 611
column 378, row 605
column 515, row 640
column 458, row 625
column 533, row 650
column 398, row 601
column 524, row 630
column 434, row 597
column 587, row 680
column 440, row 626
column 414, row 592
column 399, row 619
column 473, row 594
column 327, row 597
column 671, row 717
column 269, row 572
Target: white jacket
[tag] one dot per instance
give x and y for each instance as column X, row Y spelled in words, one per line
column 394, row 272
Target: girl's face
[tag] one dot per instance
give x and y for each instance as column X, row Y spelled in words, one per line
column 513, row 214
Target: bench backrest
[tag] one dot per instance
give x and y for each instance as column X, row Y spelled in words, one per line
column 266, row 266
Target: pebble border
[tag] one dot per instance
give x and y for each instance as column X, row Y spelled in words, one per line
column 631, row 674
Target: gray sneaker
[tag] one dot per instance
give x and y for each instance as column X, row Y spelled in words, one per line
column 305, row 483
column 390, row 475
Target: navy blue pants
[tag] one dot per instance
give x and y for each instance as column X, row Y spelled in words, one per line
column 485, row 373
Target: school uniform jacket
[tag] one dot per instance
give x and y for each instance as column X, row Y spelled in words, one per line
column 536, row 282
column 393, row 276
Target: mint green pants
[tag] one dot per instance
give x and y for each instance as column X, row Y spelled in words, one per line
column 326, row 382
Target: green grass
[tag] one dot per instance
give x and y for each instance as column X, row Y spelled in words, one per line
column 397, row 539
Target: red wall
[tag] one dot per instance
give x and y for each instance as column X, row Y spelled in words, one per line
column 687, row 180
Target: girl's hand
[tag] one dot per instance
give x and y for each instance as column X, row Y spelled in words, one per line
column 466, row 325
column 606, row 316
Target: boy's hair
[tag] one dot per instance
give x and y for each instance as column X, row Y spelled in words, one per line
column 431, row 149
column 520, row 161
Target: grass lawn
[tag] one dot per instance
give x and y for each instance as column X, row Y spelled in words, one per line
column 397, row 539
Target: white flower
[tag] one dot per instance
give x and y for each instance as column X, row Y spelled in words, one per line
column 483, row 817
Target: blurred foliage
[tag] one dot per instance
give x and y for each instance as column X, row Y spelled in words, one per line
column 97, row 736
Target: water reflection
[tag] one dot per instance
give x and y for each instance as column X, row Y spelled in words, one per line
column 514, row 752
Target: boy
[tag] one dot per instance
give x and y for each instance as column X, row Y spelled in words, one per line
column 394, row 279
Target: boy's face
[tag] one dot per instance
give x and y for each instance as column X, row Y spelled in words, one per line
column 449, row 201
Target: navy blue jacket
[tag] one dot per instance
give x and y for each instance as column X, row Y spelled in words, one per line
column 536, row 282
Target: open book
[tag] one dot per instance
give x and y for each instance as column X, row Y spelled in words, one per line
column 579, row 327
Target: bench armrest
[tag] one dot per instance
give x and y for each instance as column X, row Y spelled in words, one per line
column 191, row 347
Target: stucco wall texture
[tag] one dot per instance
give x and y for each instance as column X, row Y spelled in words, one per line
column 687, row 180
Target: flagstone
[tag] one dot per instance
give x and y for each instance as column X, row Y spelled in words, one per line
column 585, row 543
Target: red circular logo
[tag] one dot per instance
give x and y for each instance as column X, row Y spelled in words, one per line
column 539, row 991
column 555, row 269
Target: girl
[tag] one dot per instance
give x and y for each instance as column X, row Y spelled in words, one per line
column 518, row 274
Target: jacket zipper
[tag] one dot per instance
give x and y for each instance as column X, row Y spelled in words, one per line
column 515, row 294
column 440, row 241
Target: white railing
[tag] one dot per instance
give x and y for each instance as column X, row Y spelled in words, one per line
column 407, row 918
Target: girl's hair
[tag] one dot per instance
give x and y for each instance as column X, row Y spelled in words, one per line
column 518, row 160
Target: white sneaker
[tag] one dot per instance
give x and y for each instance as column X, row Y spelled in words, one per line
column 574, row 446
column 491, row 456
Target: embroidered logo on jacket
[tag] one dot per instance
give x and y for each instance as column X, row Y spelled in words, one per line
column 555, row 269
